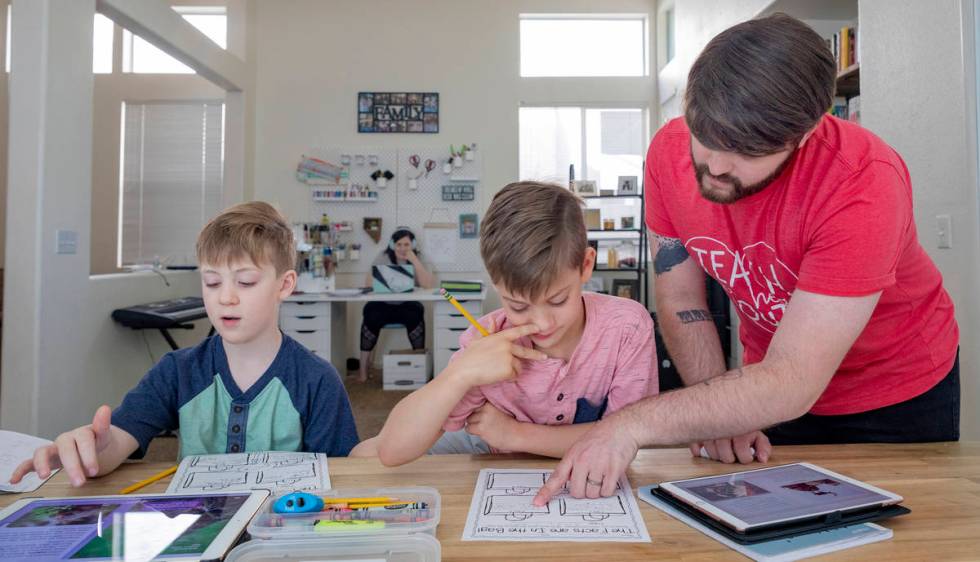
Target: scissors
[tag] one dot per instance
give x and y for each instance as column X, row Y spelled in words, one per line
column 429, row 166
column 414, row 160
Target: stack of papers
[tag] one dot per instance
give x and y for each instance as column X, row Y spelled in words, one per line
column 269, row 470
column 16, row 448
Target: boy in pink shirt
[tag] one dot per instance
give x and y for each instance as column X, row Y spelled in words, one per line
column 557, row 359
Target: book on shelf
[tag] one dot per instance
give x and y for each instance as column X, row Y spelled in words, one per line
column 844, row 46
column 854, row 109
column 839, row 109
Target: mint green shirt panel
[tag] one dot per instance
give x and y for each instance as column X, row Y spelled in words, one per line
column 204, row 421
column 273, row 422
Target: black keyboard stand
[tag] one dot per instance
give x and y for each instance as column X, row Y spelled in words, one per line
column 170, row 339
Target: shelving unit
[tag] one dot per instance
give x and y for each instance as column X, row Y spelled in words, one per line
column 638, row 234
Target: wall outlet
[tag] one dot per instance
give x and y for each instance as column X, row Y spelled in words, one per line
column 67, row 241
column 944, row 231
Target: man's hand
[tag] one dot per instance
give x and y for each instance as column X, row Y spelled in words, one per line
column 77, row 451
column 743, row 448
column 493, row 426
column 496, row 357
column 594, row 464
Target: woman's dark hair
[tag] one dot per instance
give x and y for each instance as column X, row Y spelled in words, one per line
column 759, row 86
column 395, row 237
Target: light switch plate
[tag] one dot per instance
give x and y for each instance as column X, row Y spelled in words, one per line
column 67, row 241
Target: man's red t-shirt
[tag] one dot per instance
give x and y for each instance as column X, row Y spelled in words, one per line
column 837, row 221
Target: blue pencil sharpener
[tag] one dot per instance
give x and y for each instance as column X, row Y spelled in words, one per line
column 298, row 502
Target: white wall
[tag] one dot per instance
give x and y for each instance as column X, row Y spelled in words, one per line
column 313, row 57
column 915, row 94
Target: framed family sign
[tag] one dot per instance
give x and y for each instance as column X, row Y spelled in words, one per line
column 397, row 112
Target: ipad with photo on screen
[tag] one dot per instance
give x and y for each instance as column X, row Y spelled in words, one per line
column 765, row 497
column 135, row 527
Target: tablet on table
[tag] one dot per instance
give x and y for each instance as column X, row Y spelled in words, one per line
column 134, row 527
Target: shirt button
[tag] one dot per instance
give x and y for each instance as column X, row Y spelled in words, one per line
column 238, row 409
column 560, row 417
column 236, row 428
column 561, row 396
column 235, row 447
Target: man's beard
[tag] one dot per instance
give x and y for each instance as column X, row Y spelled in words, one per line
column 738, row 191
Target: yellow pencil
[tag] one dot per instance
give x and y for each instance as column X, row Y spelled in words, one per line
column 452, row 300
column 148, row 481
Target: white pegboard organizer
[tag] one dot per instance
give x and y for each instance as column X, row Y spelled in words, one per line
column 398, row 205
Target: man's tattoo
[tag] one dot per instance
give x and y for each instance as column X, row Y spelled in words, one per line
column 670, row 252
column 734, row 374
column 688, row 316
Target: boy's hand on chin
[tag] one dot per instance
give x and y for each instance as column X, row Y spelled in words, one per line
column 491, row 425
column 497, row 357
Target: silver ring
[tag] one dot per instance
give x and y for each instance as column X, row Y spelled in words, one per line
column 593, row 482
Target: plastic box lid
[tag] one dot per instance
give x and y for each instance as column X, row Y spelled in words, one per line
column 392, row 548
column 269, row 525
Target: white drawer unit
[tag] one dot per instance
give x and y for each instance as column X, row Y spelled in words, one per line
column 304, row 308
column 310, row 339
column 405, row 370
column 449, row 324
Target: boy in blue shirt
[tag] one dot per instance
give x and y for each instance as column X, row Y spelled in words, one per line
column 248, row 388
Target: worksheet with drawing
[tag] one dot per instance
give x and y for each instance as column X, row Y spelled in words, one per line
column 273, row 471
column 501, row 510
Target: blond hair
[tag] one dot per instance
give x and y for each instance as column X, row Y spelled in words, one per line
column 255, row 230
column 532, row 232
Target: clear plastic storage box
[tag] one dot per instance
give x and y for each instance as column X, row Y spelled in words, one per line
column 374, row 548
column 421, row 517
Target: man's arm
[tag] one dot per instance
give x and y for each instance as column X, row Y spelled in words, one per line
column 682, row 312
column 813, row 337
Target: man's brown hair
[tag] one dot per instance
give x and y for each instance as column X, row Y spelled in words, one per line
column 759, row 86
column 254, row 230
column 532, row 232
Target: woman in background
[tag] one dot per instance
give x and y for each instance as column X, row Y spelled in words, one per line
column 401, row 250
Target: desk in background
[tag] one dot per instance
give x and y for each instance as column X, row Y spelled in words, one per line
column 319, row 321
column 939, row 481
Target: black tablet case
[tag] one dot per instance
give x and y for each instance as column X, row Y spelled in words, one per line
column 782, row 530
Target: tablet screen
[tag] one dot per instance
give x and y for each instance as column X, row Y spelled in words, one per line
column 771, row 495
column 130, row 528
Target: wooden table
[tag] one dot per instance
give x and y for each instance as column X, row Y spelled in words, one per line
column 940, row 483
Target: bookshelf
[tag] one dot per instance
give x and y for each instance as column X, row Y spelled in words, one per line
column 638, row 236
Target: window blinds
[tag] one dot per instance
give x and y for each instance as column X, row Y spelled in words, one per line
column 171, row 179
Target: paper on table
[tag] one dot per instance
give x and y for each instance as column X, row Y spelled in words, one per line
column 501, row 510
column 15, row 448
column 270, row 470
column 784, row 550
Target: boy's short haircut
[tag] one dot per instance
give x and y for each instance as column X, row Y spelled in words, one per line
column 532, row 232
column 254, row 230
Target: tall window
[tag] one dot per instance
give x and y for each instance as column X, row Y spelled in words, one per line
column 171, row 179
column 583, row 45
column 140, row 57
column 102, row 31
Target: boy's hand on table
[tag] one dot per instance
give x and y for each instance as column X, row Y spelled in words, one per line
column 77, row 451
column 492, row 425
column 495, row 358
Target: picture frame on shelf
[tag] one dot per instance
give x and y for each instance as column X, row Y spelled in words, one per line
column 585, row 188
column 626, row 288
column 627, row 185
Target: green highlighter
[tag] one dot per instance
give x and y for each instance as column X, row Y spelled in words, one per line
column 348, row 525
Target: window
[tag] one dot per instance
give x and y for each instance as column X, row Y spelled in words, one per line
column 583, row 45
column 141, row 57
column 171, row 179
column 102, row 32
column 602, row 143
column 669, row 33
